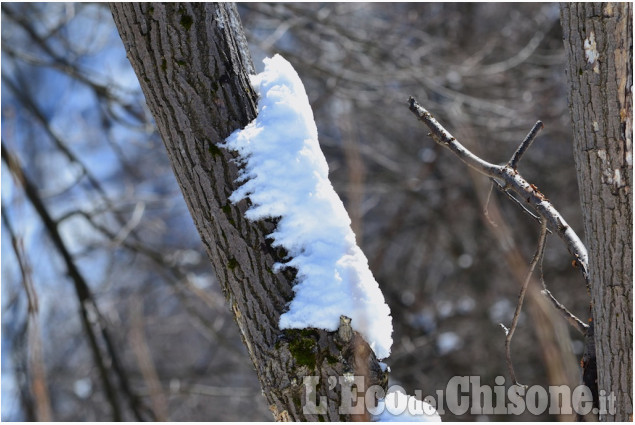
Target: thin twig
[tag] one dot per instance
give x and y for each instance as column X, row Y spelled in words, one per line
column 570, row 317
column 573, row 320
column 525, row 144
column 540, row 250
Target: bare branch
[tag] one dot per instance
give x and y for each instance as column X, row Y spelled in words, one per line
column 444, row 138
column 37, row 368
column 509, row 180
column 571, row 318
column 514, row 181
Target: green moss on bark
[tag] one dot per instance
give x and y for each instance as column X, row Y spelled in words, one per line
column 232, row 264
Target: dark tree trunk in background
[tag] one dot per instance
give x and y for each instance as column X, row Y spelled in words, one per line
column 193, row 63
column 598, row 41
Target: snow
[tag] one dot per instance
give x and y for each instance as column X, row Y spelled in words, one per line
column 285, row 175
column 400, row 407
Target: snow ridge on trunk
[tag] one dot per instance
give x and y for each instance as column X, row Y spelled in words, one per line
column 285, row 175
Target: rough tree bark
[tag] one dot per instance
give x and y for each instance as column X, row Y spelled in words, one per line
column 193, row 63
column 598, row 42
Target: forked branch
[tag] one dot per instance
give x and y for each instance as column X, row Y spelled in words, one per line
column 507, row 178
column 511, row 180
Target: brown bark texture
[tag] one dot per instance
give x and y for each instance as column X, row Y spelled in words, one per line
column 193, row 62
column 598, row 43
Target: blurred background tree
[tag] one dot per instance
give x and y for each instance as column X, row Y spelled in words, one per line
column 151, row 337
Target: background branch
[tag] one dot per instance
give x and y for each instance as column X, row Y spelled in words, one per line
column 36, row 365
column 87, row 304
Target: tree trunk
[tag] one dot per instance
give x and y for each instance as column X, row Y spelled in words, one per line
column 598, row 42
column 193, row 63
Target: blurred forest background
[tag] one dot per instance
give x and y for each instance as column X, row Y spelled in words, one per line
column 162, row 342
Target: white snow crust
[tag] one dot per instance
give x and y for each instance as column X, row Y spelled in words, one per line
column 285, row 175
